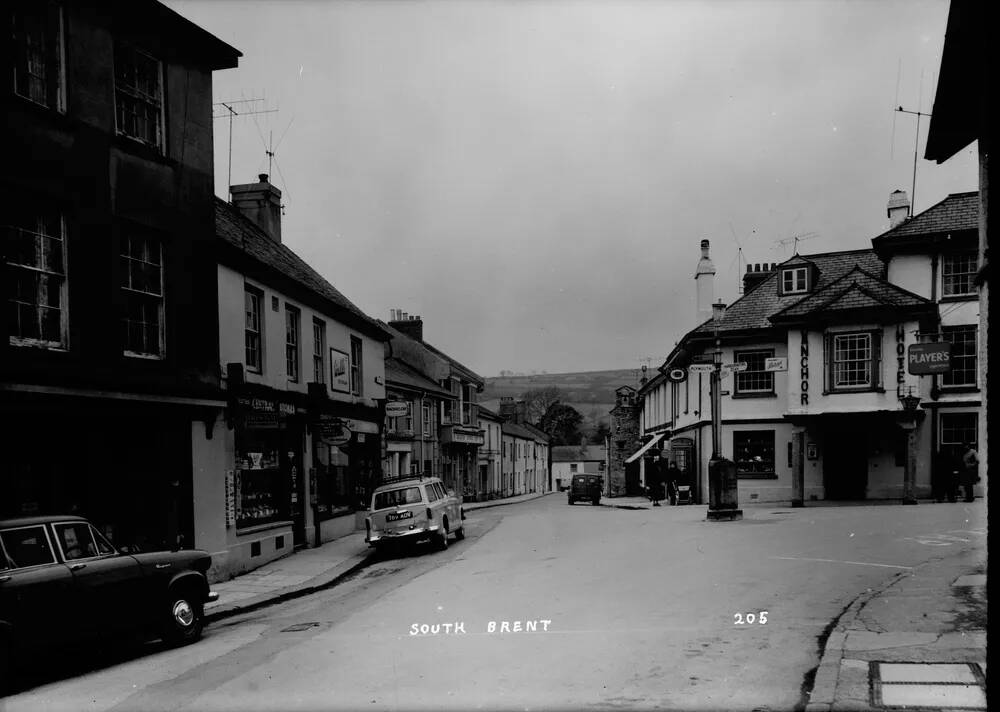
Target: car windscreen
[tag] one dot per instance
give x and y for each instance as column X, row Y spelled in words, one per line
column 397, row 497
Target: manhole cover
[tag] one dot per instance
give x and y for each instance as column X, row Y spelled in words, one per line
column 299, row 627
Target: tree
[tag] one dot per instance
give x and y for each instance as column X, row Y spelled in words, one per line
column 538, row 400
column 561, row 423
column 603, row 430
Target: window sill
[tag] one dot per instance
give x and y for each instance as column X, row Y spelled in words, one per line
column 142, row 150
column 37, row 344
column 756, row 476
column 143, row 357
column 945, row 390
column 255, row 528
column 973, row 297
column 772, row 394
column 849, row 391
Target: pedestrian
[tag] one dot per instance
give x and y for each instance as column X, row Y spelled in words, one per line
column 970, row 470
column 674, row 477
column 655, row 479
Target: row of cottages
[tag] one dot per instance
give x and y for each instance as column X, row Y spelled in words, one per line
column 823, row 407
column 516, row 457
column 432, row 421
column 569, row 460
column 110, row 386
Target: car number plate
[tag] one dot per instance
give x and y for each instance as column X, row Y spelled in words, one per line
column 396, row 516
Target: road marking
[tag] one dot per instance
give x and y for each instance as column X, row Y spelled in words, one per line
column 837, row 561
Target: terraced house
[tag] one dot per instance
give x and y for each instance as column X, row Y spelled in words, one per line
column 826, row 407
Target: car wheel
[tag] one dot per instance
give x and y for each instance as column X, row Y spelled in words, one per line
column 441, row 540
column 460, row 533
column 184, row 615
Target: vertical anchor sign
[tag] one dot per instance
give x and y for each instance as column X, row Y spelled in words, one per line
column 804, row 368
column 900, row 355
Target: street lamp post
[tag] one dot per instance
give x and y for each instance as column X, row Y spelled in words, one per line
column 723, row 488
column 910, row 403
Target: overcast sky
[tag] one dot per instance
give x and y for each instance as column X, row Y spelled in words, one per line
column 533, row 178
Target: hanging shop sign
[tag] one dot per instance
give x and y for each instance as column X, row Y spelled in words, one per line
column 700, row 368
column 804, row 369
column 332, row 430
column 677, row 375
column 729, row 368
column 230, row 498
column 397, row 409
column 927, row 359
column 776, row 364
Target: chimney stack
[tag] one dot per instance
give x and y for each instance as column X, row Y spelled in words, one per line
column 412, row 326
column 704, row 279
column 898, row 208
column 757, row 273
column 261, row 203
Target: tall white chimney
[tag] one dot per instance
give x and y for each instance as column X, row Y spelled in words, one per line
column 704, row 279
column 898, row 208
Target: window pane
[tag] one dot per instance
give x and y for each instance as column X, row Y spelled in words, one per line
column 852, row 360
column 963, row 356
column 27, row 547
column 76, row 541
column 755, row 379
column 958, row 273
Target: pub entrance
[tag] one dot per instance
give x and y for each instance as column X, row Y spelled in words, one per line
column 845, row 459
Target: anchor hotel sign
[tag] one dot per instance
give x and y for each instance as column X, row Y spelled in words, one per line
column 927, row 359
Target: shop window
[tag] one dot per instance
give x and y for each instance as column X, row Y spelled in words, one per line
column 261, row 490
column 35, row 247
column 37, row 53
column 292, row 319
column 319, row 350
column 753, row 451
column 252, row 331
column 956, row 430
column 356, row 366
column 855, row 360
column 142, row 291
column 754, row 380
column 963, row 356
column 139, row 96
column 958, row 274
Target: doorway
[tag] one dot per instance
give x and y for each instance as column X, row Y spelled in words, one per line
column 845, row 460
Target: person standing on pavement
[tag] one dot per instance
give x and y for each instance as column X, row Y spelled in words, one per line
column 673, row 480
column 970, row 470
column 656, row 478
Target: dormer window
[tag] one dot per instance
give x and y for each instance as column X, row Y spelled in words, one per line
column 795, row 280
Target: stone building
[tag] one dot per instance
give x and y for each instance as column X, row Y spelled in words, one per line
column 623, row 476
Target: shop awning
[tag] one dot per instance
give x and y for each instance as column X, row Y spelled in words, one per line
column 638, row 453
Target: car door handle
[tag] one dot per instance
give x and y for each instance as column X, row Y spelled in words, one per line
column 77, row 567
column 163, row 566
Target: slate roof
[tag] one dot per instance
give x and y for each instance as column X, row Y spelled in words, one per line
column 857, row 289
column 239, row 231
column 508, row 428
column 578, row 453
column 489, row 414
column 959, row 211
column 538, row 432
column 400, row 373
column 465, row 370
column 754, row 309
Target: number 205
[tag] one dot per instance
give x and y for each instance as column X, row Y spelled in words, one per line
column 750, row 618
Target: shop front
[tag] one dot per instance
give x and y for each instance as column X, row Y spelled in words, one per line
column 460, row 449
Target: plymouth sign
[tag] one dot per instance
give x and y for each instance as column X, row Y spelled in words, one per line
column 927, row 359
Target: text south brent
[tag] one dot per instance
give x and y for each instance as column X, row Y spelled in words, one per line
column 458, row 627
column 932, row 356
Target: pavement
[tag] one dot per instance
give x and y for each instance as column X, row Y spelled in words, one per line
column 919, row 640
column 308, row 570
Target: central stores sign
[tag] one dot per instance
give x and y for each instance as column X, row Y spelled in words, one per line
column 927, row 359
column 263, row 412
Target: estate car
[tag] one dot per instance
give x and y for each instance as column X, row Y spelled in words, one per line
column 586, row 488
column 61, row 580
column 413, row 509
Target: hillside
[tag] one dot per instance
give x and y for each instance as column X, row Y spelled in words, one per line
column 590, row 392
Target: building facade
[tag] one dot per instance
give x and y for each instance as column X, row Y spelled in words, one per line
column 490, row 454
column 623, row 474
column 109, row 364
column 569, row 460
column 305, row 384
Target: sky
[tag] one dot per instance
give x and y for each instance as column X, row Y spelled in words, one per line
column 534, row 178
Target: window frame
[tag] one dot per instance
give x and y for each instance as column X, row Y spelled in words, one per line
column 427, row 419
column 955, row 446
column 140, row 97
column 160, row 300
column 252, row 293
column 319, row 350
column 971, row 354
column 48, row 541
column 357, row 366
column 763, row 474
column 967, row 276
column 874, row 361
column 794, row 273
column 44, row 270
column 293, row 342
column 738, row 376
column 54, row 55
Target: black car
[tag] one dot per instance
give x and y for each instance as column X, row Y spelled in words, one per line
column 62, row 581
column 587, row 488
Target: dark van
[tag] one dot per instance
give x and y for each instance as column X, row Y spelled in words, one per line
column 585, row 487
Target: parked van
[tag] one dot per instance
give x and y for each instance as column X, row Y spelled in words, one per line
column 586, row 487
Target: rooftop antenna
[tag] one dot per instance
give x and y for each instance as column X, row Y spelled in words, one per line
column 796, row 239
column 916, row 142
column 232, row 112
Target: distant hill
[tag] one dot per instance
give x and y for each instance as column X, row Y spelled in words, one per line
column 590, row 392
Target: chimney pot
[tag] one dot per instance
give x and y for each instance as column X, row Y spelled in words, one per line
column 261, row 204
column 899, row 207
